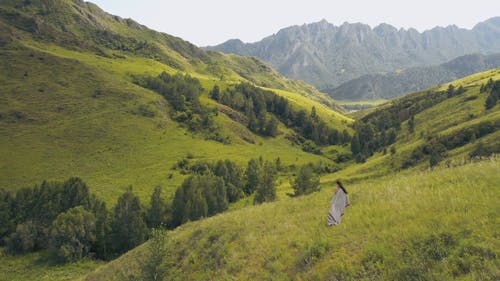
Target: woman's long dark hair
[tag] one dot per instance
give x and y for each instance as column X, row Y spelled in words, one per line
column 342, row 187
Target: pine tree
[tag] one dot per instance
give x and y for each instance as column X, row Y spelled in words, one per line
column 355, row 146
column 306, row 181
column 266, row 190
column 271, row 127
column 128, row 226
column 156, row 213
column 314, row 115
column 253, row 175
column 411, row 124
column 215, row 93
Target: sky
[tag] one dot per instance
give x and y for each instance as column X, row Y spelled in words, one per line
column 211, row 22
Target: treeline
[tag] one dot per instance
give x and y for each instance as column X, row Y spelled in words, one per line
column 69, row 222
column 183, row 93
column 209, row 190
column 256, row 103
column 493, row 87
column 378, row 130
column 436, row 147
column 64, row 218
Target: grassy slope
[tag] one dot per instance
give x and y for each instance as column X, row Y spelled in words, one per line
column 53, row 125
column 288, row 239
column 35, row 267
column 66, row 131
column 444, row 118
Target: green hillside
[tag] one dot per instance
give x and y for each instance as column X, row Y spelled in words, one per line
column 70, row 107
column 400, row 226
column 397, row 228
column 444, row 119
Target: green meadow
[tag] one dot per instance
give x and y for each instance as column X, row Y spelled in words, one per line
column 77, row 114
column 436, row 224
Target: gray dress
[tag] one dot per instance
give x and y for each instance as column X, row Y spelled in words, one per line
column 339, row 201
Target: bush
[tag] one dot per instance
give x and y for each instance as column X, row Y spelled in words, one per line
column 26, row 239
column 313, row 253
column 73, row 234
column 146, row 111
column 306, row 181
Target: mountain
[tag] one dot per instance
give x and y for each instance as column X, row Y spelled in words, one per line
column 74, row 102
column 395, row 84
column 326, row 55
column 414, row 224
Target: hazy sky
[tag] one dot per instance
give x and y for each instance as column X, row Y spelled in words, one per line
column 210, row 22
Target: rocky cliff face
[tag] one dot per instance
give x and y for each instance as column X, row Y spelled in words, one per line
column 327, row 55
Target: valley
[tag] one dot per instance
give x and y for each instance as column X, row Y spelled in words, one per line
column 128, row 153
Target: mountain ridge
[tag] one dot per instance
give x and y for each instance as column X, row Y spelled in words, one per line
column 396, row 84
column 326, row 55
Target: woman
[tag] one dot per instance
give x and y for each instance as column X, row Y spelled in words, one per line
column 340, row 200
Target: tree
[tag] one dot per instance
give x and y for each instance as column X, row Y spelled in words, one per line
column 393, row 150
column 266, row 190
column 490, row 102
column 360, row 157
column 306, row 181
column 73, row 234
column 152, row 268
column 215, row 93
column 314, row 115
column 75, row 193
column 253, row 175
column 102, row 230
column 156, row 213
column 450, row 91
column 434, row 159
column 199, row 196
column 345, row 136
column 231, row 175
column 271, row 128
column 411, row 124
column 128, row 226
column 355, row 145
column 24, row 239
column 7, row 224
column 214, row 193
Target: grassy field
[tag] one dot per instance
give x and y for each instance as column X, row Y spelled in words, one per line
column 35, row 267
column 73, row 116
column 433, row 225
column 68, row 106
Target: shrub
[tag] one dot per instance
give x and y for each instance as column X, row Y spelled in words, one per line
column 306, row 181
column 313, row 253
column 25, row 239
column 73, row 234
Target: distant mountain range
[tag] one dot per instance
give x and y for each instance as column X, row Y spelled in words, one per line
column 326, row 55
column 395, row 84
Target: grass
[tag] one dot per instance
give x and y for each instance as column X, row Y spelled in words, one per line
column 445, row 118
column 85, row 122
column 370, row 103
column 384, row 233
column 69, row 107
column 35, row 267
